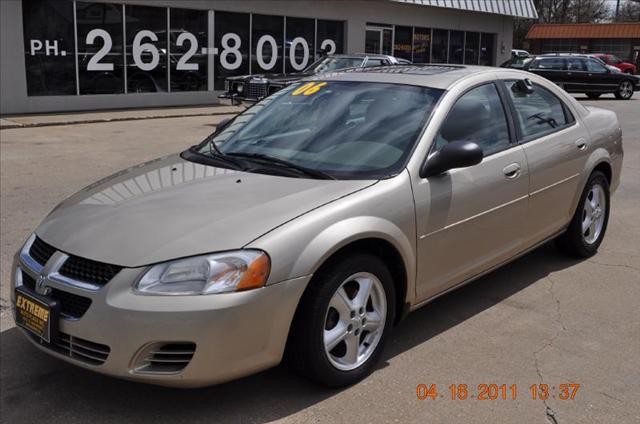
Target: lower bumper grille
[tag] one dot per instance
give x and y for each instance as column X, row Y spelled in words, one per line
column 79, row 349
column 165, row 358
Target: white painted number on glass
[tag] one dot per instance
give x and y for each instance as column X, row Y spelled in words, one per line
column 193, row 47
column 274, row 52
column 94, row 63
column 292, row 54
column 231, row 50
column 139, row 48
column 329, row 46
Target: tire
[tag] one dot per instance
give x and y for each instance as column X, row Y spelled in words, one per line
column 584, row 244
column 625, row 90
column 593, row 95
column 316, row 316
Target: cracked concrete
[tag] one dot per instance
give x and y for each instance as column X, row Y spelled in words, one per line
column 578, row 317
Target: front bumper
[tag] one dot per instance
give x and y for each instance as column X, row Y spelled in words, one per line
column 235, row 334
column 236, row 100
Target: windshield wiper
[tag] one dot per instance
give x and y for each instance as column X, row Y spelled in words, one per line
column 302, row 169
column 216, row 155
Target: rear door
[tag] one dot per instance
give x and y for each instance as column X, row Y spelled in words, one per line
column 556, row 147
column 470, row 219
column 599, row 78
column 576, row 75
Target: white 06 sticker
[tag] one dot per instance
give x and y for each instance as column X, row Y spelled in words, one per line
column 139, row 47
column 305, row 54
column 274, row 52
column 183, row 64
column 329, row 46
column 94, row 63
column 233, row 50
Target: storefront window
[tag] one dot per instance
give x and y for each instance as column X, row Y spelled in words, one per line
column 330, row 37
column 49, row 47
column 100, row 53
column 456, row 46
column 232, row 44
column 188, row 60
column 440, row 46
column 487, row 57
column 421, row 45
column 267, row 38
column 146, row 49
column 299, row 44
column 402, row 45
column 471, row 48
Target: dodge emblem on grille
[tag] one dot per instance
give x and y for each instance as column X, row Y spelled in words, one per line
column 41, row 285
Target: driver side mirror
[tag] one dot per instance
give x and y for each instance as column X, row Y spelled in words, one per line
column 457, row 154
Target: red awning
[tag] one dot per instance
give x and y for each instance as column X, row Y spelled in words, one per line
column 622, row 30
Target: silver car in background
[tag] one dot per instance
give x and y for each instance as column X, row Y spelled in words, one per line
column 311, row 223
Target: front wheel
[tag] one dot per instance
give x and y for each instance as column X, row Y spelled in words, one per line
column 625, row 90
column 589, row 223
column 343, row 321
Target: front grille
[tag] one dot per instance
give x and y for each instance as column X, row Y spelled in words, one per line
column 255, row 90
column 88, row 271
column 71, row 305
column 41, row 251
column 74, row 347
column 165, row 357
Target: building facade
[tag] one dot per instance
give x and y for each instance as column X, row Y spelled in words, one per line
column 621, row 39
column 63, row 55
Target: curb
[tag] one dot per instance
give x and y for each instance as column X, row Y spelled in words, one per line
column 13, row 125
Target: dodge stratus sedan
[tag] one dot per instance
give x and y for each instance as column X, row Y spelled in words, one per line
column 311, row 223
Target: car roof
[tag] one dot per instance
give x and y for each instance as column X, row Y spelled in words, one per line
column 427, row 75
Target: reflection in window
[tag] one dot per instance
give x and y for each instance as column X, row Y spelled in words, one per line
column 266, row 43
column 456, row 45
column 49, row 47
column 330, row 37
column 472, row 48
column 100, row 55
column 299, row 44
column 146, row 49
column 421, row 45
column 232, row 41
column 402, row 42
column 188, row 35
column 487, row 56
column 538, row 113
column 439, row 47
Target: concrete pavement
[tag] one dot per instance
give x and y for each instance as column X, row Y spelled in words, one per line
column 542, row 319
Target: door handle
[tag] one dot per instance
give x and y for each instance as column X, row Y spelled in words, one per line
column 581, row 144
column 512, row 171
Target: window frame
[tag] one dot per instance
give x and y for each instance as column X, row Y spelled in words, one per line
column 521, row 139
column 511, row 128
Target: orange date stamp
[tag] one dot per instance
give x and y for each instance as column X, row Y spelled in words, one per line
column 541, row 391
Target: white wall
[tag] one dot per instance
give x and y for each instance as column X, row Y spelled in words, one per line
column 13, row 86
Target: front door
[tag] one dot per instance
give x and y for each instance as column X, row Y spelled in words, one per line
column 378, row 40
column 470, row 219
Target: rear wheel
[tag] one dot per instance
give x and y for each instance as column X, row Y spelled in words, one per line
column 593, row 95
column 343, row 321
column 589, row 223
column 625, row 90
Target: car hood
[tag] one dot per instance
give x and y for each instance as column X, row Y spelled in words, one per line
column 171, row 208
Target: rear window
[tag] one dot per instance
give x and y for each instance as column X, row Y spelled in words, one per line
column 553, row 63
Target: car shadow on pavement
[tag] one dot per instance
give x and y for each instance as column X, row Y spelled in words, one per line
column 35, row 386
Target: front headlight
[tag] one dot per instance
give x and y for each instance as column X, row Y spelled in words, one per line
column 207, row 274
column 240, row 87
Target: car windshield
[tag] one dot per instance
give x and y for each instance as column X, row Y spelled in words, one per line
column 333, row 63
column 345, row 130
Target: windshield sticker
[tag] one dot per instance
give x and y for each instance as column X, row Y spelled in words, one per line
column 308, row 89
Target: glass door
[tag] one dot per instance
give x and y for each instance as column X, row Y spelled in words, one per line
column 378, row 40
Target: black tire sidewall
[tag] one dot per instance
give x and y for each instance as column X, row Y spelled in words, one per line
column 315, row 305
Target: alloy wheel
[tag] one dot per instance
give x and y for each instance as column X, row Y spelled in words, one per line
column 593, row 214
column 626, row 89
column 355, row 321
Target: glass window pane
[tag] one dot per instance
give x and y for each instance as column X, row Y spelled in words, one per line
column 146, row 49
column 456, row 46
column 477, row 116
column 595, row 67
column 402, row 42
column 330, row 37
column 439, row 48
column 49, row 47
column 387, row 35
column 100, row 53
column 300, row 42
column 487, row 56
column 268, row 35
column 372, row 42
column 232, row 41
column 188, row 36
column 472, row 48
column 421, row 45
column 538, row 113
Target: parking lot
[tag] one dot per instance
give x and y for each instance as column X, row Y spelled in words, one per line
column 542, row 319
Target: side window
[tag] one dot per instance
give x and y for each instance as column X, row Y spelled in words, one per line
column 538, row 113
column 551, row 63
column 477, row 116
column 575, row 64
column 374, row 62
column 595, row 66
